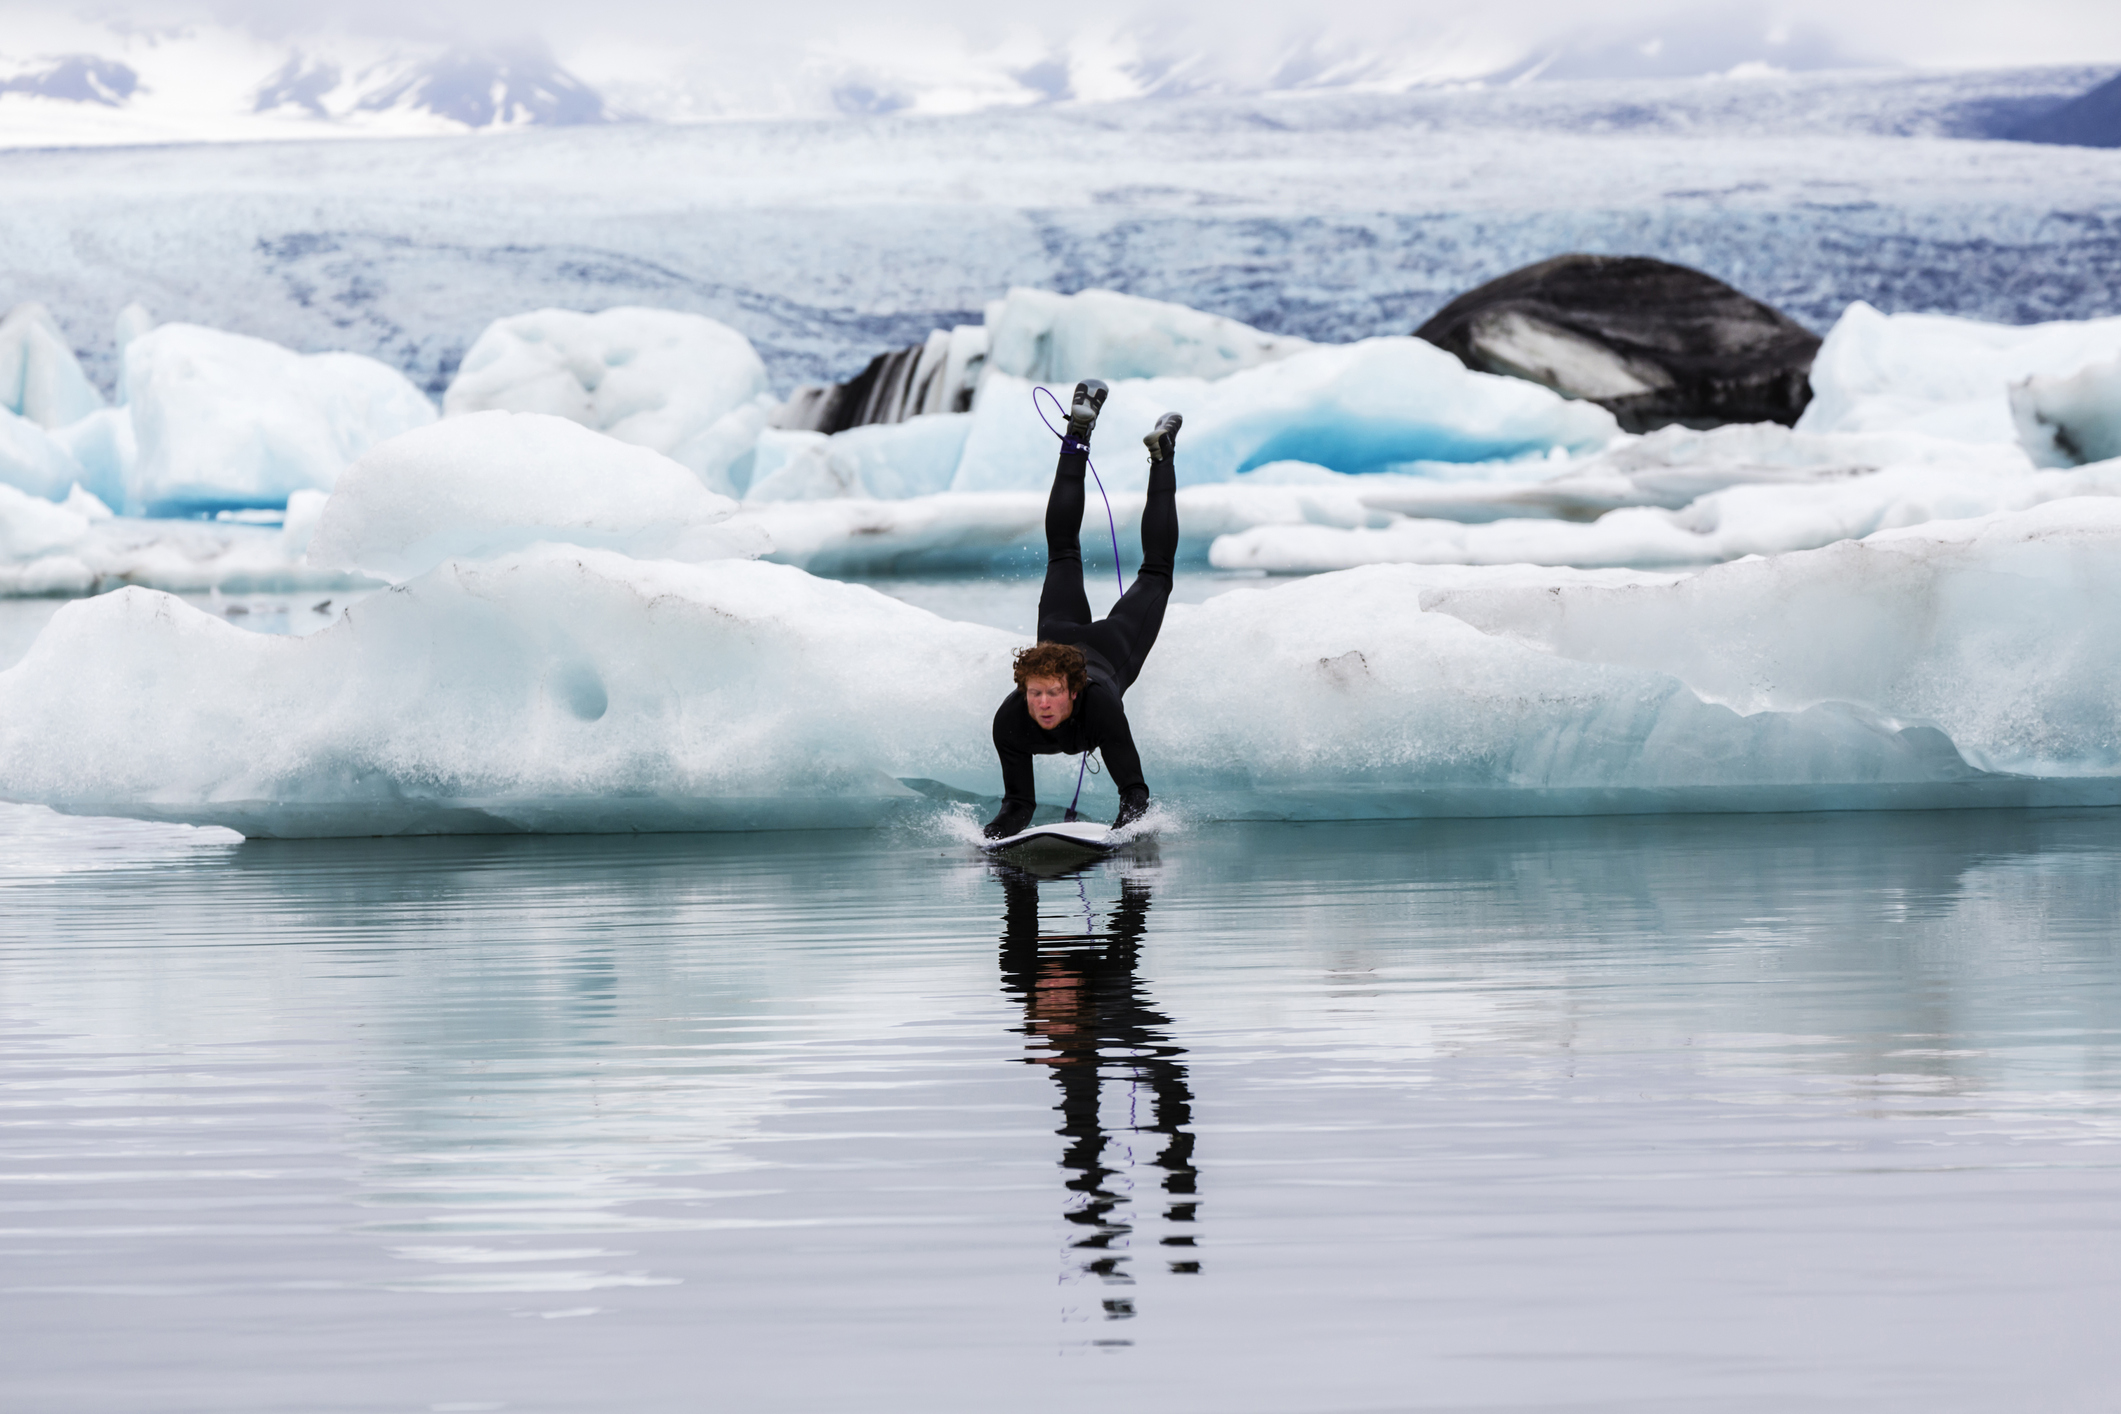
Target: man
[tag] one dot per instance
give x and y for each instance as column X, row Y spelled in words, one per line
column 1070, row 684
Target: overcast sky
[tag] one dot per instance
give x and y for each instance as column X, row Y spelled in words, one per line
column 1942, row 32
column 1249, row 42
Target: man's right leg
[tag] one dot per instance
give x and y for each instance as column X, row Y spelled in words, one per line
column 1062, row 603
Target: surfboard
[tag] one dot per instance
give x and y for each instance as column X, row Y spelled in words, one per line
column 1073, row 839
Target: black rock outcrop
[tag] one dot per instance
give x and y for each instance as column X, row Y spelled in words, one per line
column 895, row 386
column 1652, row 342
column 2089, row 120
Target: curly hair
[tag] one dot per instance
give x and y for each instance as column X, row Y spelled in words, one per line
column 1052, row 660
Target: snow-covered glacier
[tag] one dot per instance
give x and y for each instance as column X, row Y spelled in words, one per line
column 554, row 687
column 1329, row 217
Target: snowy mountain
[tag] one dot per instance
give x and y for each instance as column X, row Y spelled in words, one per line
column 478, row 90
column 1329, row 216
column 68, row 82
column 219, row 84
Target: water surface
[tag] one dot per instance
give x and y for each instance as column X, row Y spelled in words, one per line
column 1742, row 1113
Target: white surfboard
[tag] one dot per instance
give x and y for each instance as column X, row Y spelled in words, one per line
column 1073, row 839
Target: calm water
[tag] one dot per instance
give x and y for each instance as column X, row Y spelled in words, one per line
column 1747, row 1113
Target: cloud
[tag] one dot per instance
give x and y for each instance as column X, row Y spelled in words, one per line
column 684, row 59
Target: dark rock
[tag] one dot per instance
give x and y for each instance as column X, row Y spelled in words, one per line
column 2089, row 120
column 895, row 386
column 1653, row 343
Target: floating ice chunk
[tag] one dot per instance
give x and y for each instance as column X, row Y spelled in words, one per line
column 566, row 689
column 682, row 384
column 1937, row 374
column 475, row 486
column 2070, row 420
column 132, row 322
column 889, row 460
column 86, row 503
column 33, row 461
column 225, row 421
column 103, row 446
column 78, row 547
column 552, row 688
column 39, row 376
column 1351, row 408
column 1994, row 631
column 918, row 457
column 305, row 510
column 31, row 526
column 1005, row 530
column 799, row 466
column 1053, row 338
column 1764, row 518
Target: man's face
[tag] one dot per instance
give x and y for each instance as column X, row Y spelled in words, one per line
column 1049, row 700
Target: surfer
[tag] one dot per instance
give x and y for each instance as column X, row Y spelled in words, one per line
column 1069, row 684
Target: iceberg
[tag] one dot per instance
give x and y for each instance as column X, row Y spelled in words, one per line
column 104, row 449
column 473, row 487
column 1941, row 375
column 684, row 385
column 224, row 421
column 77, row 547
column 1771, row 518
column 2072, row 419
column 560, row 688
column 1360, row 407
column 1005, row 530
column 890, row 460
column 1994, row 632
column 1292, row 517
column 1043, row 337
column 40, row 378
column 34, row 461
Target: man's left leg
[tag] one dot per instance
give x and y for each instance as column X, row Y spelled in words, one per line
column 1126, row 635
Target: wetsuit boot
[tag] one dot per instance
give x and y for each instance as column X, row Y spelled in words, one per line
column 1013, row 818
column 1082, row 417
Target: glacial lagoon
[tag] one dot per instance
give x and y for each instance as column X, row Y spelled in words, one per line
column 1735, row 1112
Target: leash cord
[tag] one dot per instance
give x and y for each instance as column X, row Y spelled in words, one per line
column 1110, row 522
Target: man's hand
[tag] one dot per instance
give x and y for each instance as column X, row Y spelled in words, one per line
column 1133, row 802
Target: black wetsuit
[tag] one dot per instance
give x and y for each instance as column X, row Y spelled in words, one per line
column 1113, row 647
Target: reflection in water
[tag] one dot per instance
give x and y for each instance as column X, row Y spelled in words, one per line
column 1089, row 1022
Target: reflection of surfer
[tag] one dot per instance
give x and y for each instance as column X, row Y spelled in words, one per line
column 1069, row 685
column 1087, row 1019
